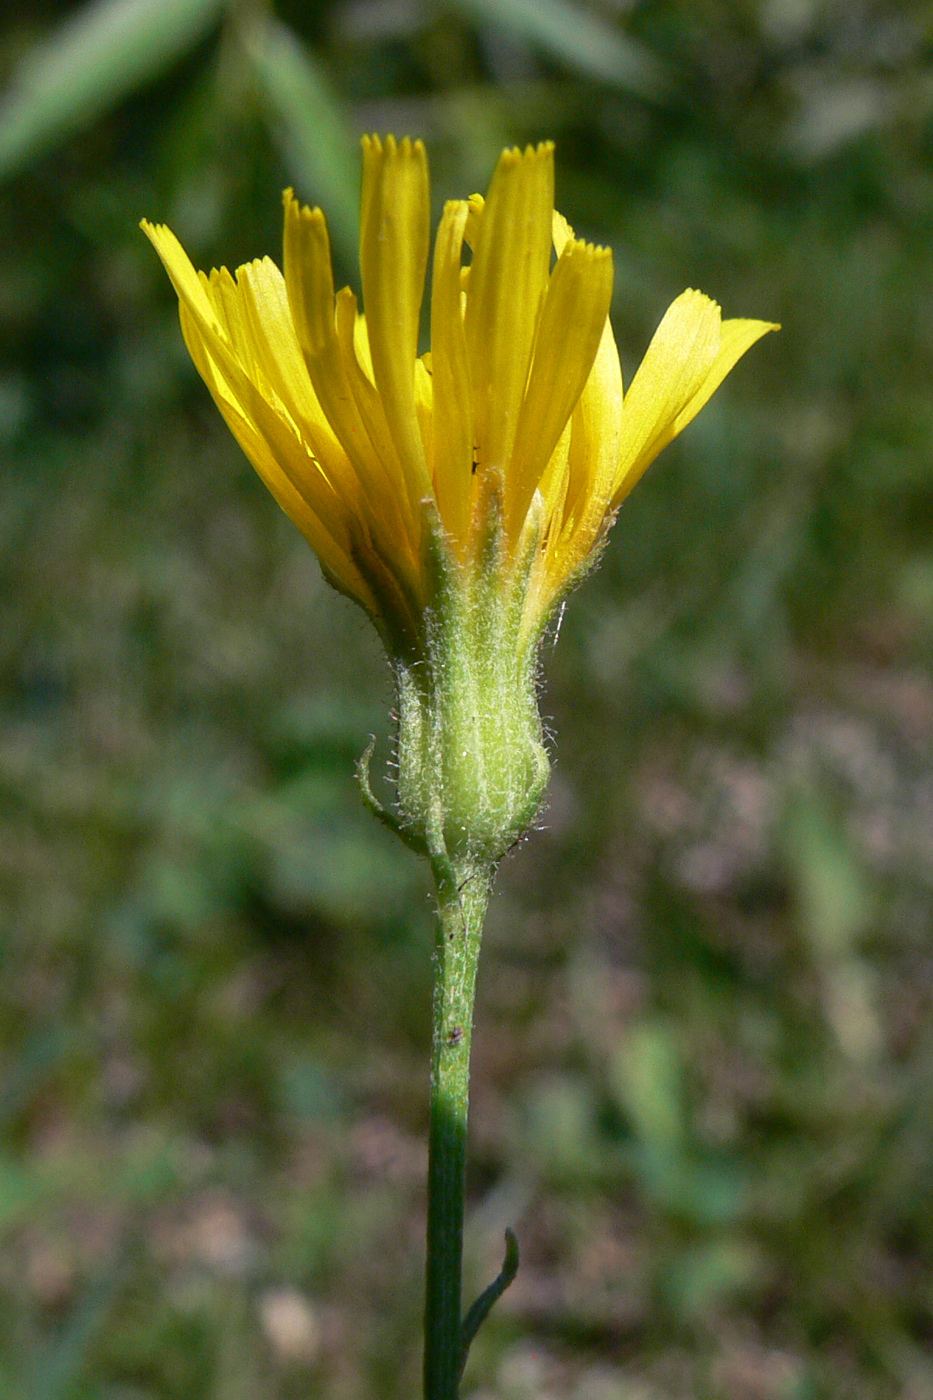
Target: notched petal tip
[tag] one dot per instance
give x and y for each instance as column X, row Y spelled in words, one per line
column 156, row 233
column 695, row 302
column 298, row 213
column 296, row 210
column 255, row 266
column 388, row 145
column 572, row 323
column 186, row 281
column 561, row 232
column 514, row 155
column 475, row 207
column 691, row 353
column 579, row 247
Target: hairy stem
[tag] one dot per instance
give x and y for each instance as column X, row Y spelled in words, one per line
column 463, row 894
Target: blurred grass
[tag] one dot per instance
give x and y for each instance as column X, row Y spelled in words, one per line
column 704, row 1052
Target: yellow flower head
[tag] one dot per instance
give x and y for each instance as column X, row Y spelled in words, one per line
column 516, row 414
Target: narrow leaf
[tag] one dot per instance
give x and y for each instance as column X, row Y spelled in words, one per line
column 577, row 37
column 44, row 1049
column 60, row 1364
column 319, row 146
column 483, row 1306
column 86, row 66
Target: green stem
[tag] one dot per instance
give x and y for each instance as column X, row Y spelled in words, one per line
column 463, row 893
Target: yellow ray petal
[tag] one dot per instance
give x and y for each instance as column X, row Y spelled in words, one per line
column 424, row 404
column 332, row 550
column 555, row 479
column 310, row 286
column 737, row 337
column 371, row 410
column 394, row 245
column 695, row 350
column 268, row 322
column 591, row 469
column 280, row 433
column 508, row 276
column 353, row 343
column 572, row 319
column 453, row 409
column 561, row 232
column 594, row 447
column 681, row 354
column 339, row 534
column 270, row 328
column 475, row 206
column 225, row 298
column 361, row 346
column 180, row 269
column 594, row 454
column 202, row 299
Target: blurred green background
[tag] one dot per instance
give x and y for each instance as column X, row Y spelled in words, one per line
column 703, row 1089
